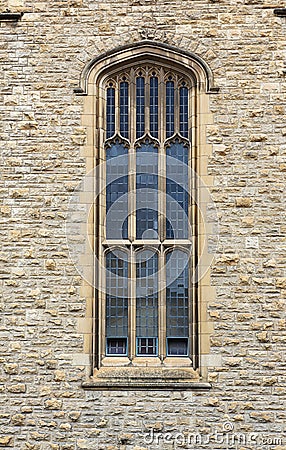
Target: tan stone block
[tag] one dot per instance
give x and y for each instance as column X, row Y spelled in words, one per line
column 17, row 388
column 281, row 282
column 243, row 202
column 6, row 441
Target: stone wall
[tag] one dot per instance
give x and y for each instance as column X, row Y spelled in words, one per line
column 43, row 359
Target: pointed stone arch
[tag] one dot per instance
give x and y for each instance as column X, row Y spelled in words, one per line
column 149, row 51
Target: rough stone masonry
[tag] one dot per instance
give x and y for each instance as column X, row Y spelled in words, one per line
column 43, row 359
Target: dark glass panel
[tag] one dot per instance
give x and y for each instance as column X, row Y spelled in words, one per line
column 184, row 111
column 146, row 191
column 177, row 180
column 154, row 106
column 116, row 346
column 177, row 347
column 146, row 302
column 110, row 112
column 116, row 302
column 124, row 109
column 170, row 108
column 116, row 191
column 177, row 294
column 147, row 346
column 140, row 107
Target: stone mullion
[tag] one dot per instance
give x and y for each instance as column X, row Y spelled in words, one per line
column 162, row 157
column 101, row 207
column 117, row 106
column 193, row 190
column 161, row 193
column 147, row 103
column 132, row 305
column 162, row 304
column 132, row 218
column 176, row 106
column 132, row 160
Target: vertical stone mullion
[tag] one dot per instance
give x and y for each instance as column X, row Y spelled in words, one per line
column 161, row 107
column 117, row 106
column 162, row 193
column 176, row 106
column 132, row 159
column 147, row 102
column 162, row 304
column 132, row 305
column 101, row 211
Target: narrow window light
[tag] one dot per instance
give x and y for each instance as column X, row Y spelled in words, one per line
column 140, row 106
column 146, row 303
column 154, row 106
column 170, row 108
column 116, row 191
column 116, row 303
column 177, row 180
column 177, row 303
column 147, row 191
column 184, row 111
column 124, row 108
column 110, row 112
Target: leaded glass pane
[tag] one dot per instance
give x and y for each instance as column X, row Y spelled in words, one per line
column 124, row 107
column 177, row 294
column 110, row 112
column 147, row 302
column 140, row 107
column 177, row 180
column 170, row 108
column 116, row 346
column 177, row 346
column 153, row 88
column 116, row 191
column 154, row 106
column 116, row 302
column 147, row 191
column 184, row 112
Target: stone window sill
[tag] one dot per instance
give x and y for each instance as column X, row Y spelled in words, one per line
column 145, row 379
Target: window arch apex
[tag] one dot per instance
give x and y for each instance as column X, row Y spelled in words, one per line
column 132, row 53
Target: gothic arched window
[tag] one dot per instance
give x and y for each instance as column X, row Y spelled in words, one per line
column 149, row 114
column 146, row 215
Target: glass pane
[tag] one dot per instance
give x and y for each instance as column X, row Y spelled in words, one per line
column 116, row 302
column 177, row 183
column 147, row 191
column 116, row 191
column 177, row 346
column 184, row 111
column 170, row 108
column 140, row 107
column 177, row 294
column 110, row 112
column 147, row 302
column 116, row 346
column 154, row 106
column 147, row 346
column 124, row 107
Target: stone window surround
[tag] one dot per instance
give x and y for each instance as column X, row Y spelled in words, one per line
column 175, row 376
